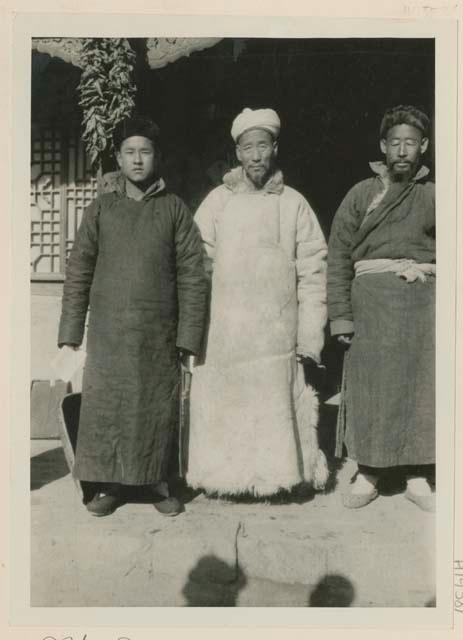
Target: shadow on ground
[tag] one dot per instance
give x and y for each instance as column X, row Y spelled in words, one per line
column 334, row 590
column 213, row 583
column 47, row 467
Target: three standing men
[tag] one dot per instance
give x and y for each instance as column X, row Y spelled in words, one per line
column 137, row 262
column 253, row 418
column 381, row 298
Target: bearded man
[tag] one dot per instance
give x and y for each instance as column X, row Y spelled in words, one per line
column 253, row 417
column 381, row 299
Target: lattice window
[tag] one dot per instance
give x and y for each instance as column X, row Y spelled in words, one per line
column 80, row 189
column 61, row 187
column 46, row 204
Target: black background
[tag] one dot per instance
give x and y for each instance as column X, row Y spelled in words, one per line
column 330, row 95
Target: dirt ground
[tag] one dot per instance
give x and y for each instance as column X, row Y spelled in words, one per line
column 307, row 552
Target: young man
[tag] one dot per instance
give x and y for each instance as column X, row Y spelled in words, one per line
column 253, row 418
column 137, row 263
column 381, row 296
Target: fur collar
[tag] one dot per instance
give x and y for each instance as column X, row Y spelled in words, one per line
column 237, row 181
column 115, row 182
column 380, row 168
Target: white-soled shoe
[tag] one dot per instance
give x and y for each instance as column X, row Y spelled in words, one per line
column 424, row 502
column 357, row 500
column 361, row 492
column 419, row 492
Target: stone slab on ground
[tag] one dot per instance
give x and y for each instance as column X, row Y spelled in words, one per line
column 217, row 553
column 45, row 402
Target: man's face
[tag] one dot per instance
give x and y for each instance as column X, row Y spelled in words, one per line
column 403, row 148
column 257, row 150
column 137, row 159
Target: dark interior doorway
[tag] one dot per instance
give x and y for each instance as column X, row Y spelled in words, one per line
column 329, row 93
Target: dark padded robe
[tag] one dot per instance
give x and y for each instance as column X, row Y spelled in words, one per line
column 387, row 411
column 138, row 265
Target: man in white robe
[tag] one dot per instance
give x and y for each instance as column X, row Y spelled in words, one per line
column 253, row 427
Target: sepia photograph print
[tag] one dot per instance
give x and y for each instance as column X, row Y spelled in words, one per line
column 244, row 430
column 236, row 320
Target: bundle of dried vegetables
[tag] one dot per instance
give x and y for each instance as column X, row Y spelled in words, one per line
column 106, row 91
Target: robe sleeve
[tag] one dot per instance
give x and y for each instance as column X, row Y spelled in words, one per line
column 340, row 265
column 79, row 277
column 311, row 283
column 205, row 219
column 191, row 281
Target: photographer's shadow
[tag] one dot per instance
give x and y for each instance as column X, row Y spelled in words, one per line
column 213, row 583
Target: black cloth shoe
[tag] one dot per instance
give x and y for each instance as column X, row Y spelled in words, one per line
column 168, row 506
column 105, row 502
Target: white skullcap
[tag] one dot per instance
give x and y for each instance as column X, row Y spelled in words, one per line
column 258, row 119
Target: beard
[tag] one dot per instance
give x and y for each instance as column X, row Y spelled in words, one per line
column 404, row 175
column 259, row 178
column 400, row 177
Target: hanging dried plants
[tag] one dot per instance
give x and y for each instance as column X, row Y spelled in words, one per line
column 106, row 91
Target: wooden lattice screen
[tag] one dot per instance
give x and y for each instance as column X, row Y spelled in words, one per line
column 62, row 185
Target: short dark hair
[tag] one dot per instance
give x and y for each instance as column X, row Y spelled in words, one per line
column 136, row 126
column 404, row 114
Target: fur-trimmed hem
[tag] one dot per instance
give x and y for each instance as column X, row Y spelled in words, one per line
column 315, row 466
column 227, row 479
column 261, row 490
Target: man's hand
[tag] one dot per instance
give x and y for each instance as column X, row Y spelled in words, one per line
column 184, row 357
column 72, row 347
column 345, row 339
column 314, row 373
column 307, row 361
column 67, row 362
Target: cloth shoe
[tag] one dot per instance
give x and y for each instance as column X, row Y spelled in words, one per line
column 104, row 502
column 169, row 506
column 355, row 499
column 424, row 502
column 419, row 492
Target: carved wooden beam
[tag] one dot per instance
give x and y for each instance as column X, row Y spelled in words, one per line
column 162, row 51
column 68, row 49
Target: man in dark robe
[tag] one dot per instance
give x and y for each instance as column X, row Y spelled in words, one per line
column 137, row 264
column 381, row 304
